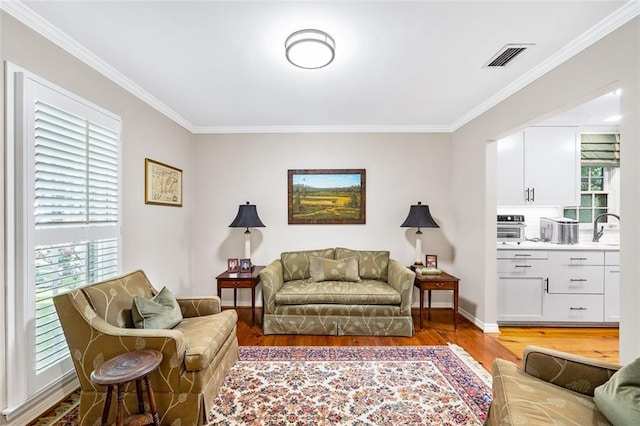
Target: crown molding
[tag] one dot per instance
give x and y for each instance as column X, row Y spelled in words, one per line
column 24, row 14
column 621, row 16
column 43, row 27
column 322, row 129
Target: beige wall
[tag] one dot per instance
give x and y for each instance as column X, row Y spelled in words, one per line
column 156, row 239
column 401, row 169
column 611, row 61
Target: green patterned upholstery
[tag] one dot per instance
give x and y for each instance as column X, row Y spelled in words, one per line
column 372, row 306
column 197, row 353
column 372, row 265
column 551, row 388
column 296, row 264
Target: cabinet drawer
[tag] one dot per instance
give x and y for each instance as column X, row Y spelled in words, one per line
column 574, row 308
column 523, row 267
column 578, row 279
column 522, row 254
column 239, row 283
column 577, row 258
column 611, row 257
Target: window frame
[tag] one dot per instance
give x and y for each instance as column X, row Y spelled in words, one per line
column 21, row 242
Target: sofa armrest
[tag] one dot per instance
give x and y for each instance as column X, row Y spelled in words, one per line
column 272, row 279
column 573, row 372
column 199, row 306
column 401, row 278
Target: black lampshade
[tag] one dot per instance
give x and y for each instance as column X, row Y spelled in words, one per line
column 419, row 217
column 247, row 217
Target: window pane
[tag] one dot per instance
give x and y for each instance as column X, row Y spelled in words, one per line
column 597, row 184
column 584, row 171
column 596, row 171
column 570, row 213
column 584, row 184
column 603, row 219
column 585, row 216
column 586, row 200
column 600, row 200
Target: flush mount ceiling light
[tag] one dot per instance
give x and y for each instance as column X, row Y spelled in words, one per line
column 310, row 49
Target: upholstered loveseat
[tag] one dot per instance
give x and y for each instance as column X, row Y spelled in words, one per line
column 197, row 353
column 337, row 291
column 552, row 388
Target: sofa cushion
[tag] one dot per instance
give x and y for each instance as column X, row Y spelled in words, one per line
column 112, row 299
column 372, row 265
column 365, row 292
column 322, row 269
column 619, row 397
column 521, row 399
column 204, row 336
column 295, row 264
column 162, row 311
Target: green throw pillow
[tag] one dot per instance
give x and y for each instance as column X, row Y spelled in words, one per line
column 619, row 398
column 162, row 311
column 322, row 269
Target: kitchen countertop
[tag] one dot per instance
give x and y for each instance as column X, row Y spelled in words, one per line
column 536, row 245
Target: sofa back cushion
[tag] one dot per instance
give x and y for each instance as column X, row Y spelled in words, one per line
column 372, row 265
column 112, row 299
column 295, row 264
column 322, row 269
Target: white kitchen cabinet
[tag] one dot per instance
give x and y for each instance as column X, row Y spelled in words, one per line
column 539, row 166
column 562, row 286
column 521, row 282
column 612, row 287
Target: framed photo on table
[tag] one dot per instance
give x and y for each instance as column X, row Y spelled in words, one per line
column 233, row 265
column 431, row 261
column 245, row 265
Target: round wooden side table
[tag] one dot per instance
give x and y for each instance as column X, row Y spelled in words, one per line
column 118, row 372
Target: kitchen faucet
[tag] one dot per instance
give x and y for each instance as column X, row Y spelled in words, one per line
column 597, row 234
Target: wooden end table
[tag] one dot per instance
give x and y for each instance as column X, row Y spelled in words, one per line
column 236, row 280
column 118, row 372
column 442, row 281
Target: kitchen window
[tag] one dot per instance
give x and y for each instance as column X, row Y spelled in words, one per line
column 600, row 162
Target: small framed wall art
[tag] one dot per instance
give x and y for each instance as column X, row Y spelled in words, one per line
column 162, row 184
column 233, row 265
column 431, row 261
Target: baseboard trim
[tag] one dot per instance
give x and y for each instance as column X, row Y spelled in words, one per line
column 37, row 405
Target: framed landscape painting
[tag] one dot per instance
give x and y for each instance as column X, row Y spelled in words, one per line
column 327, row 196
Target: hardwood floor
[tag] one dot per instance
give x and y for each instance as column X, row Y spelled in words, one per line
column 599, row 343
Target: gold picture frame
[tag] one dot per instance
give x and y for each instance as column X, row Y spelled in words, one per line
column 327, row 196
column 162, row 184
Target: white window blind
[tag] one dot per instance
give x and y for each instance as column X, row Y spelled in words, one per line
column 67, row 223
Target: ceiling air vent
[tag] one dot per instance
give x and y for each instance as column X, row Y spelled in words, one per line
column 507, row 54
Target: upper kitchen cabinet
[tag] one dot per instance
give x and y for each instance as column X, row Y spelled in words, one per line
column 539, row 167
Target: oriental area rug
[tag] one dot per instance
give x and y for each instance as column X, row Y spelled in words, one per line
column 375, row 385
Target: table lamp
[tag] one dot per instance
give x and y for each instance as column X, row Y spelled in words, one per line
column 247, row 217
column 419, row 217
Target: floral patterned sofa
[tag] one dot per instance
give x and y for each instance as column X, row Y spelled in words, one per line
column 197, row 353
column 337, row 291
column 552, row 387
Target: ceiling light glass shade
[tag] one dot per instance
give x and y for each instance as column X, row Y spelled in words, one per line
column 310, row 49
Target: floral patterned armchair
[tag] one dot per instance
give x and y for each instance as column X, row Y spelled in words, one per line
column 197, row 353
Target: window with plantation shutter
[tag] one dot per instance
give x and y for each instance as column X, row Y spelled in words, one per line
column 67, row 194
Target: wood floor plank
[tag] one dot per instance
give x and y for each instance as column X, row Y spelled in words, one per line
column 598, row 343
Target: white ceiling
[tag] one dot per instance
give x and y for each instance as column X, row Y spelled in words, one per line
column 217, row 66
